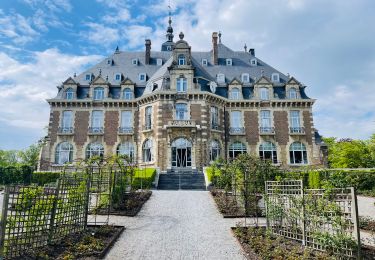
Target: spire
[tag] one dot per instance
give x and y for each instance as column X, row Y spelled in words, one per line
column 219, row 37
column 245, row 47
column 169, row 34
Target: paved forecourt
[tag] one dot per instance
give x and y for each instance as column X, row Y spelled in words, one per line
column 177, row 225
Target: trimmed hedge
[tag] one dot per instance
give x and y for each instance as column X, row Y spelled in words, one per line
column 21, row 174
column 42, row 178
column 144, row 177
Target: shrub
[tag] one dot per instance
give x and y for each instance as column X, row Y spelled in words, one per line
column 20, row 174
column 144, row 177
column 42, row 178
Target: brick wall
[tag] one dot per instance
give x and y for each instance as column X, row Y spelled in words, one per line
column 110, row 127
column 81, row 127
column 307, row 119
column 54, row 126
column 251, row 127
column 281, row 127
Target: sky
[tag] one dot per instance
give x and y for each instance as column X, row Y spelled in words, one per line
column 328, row 45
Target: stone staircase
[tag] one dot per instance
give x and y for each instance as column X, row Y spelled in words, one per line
column 185, row 179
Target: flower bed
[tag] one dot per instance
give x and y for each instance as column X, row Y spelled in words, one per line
column 93, row 243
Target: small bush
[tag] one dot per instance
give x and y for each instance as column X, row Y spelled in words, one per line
column 42, row 178
column 143, row 178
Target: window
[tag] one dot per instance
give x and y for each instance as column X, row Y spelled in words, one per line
column 88, row 77
column 67, row 122
column 142, row 77
column 214, row 118
column 235, row 149
column 181, row 111
column 220, row 78
column 265, row 121
column 204, row 62
column 127, row 120
column 98, row 93
column 97, row 121
column 127, row 149
column 245, row 78
column 214, row 150
column 128, row 94
column 148, row 117
column 69, row 94
column 181, row 85
column 292, row 93
column 109, row 62
column 169, row 48
column 64, row 153
column 147, row 151
column 264, row 94
column 118, row 77
column 236, row 122
column 159, row 62
column 94, row 149
column 295, row 122
column 275, row 77
column 135, row 62
column 267, row 151
column 181, row 59
column 228, row 62
column 297, row 153
column 234, row 94
column 253, row 62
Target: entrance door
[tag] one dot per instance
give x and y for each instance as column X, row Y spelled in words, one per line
column 181, row 153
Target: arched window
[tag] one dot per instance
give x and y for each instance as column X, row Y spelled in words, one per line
column 267, row 151
column 214, row 150
column 292, row 93
column 264, row 94
column 235, row 149
column 181, row 85
column 234, row 94
column 98, row 93
column 297, row 153
column 64, row 153
column 94, row 149
column 69, row 94
column 181, row 59
column 126, row 148
column 128, row 94
column 147, row 151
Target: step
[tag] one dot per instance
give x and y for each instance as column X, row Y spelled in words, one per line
column 184, row 181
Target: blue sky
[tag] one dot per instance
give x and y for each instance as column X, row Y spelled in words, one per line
column 329, row 45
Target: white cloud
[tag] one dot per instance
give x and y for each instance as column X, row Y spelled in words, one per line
column 122, row 15
column 136, row 34
column 114, row 3
column 25, row 86
column 52, row 5
column 101, row 34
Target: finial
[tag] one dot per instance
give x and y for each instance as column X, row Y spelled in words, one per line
column 245, row 47
column 219, row 36
column 117, row 49
column 75, row 74
column 181, row 35
column 100, row 72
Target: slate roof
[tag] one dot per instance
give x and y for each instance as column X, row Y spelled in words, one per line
column 121, row 62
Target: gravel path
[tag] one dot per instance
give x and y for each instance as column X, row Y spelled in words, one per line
column 366, row 206
column 177, row 225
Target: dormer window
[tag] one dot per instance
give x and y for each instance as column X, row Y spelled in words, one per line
column 229, row 62
column 220, row 78
column 275, row 77
column 234, row 94
column 142, row 77
column 169, row 48
column 264, row 94
column 181, row 84
column 118, row 77
column 245, row 78
column 110, row 62
column 69, row 94
column 181, row 59
column 135, row 62
column 98, row 93
column 159, row 62
column 128, row 94
column 204, row 62
column 88, row 77
column 292, row 93
column 253, row 62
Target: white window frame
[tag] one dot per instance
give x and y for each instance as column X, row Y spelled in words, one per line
column 275, row 77
column 148, row 117
column 295, row 119
column 94, row 149
column 214, row 117
column 236, row 119
column 159, row 62
column 204, row 62
column 135, row 62
column 220, row 78
column 181, row 84
column 254, row 62
column 64, row 153
column 181, row 59
column 127, row 93
column 140, row 77
column 264, row 93
column 214, row 150
column 97, row 117
column 126, row 148
column 234, row 94
column 117, row 77
column 245, row 78
column 67, row 119
column 69, row 94
column 229, row 62
column 182, row 111
column 292, row 93
column 147, row 153
column 88, row 77
column 235, row 149
column 126, row 119
column 268, row 149
column 98, row 93
column 301, row 149
column 265, row 118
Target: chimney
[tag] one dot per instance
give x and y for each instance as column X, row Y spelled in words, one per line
column 148, row 51
column 252, row 52
column 214, row 49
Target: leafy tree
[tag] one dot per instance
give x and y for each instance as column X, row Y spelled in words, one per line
column 30, row 155
column 8, row 157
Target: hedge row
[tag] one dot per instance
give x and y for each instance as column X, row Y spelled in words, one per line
column 143, row 178
column 21, row 174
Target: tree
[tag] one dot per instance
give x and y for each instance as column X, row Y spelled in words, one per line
column 30, row 155
column 8, row 157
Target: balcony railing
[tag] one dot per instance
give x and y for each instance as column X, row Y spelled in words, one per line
column 125, row 130
column 296, row 130
column 65, row 130
column 236, row 130
column 147, row 127
column 267, row 130
column 181, row 123
column 96, row 130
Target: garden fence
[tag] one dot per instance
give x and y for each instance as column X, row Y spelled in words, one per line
column 320, row 219
column 33, row 216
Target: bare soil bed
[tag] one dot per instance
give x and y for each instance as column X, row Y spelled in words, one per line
column 93, row 243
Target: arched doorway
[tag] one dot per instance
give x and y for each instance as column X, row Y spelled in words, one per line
column 181, row 153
